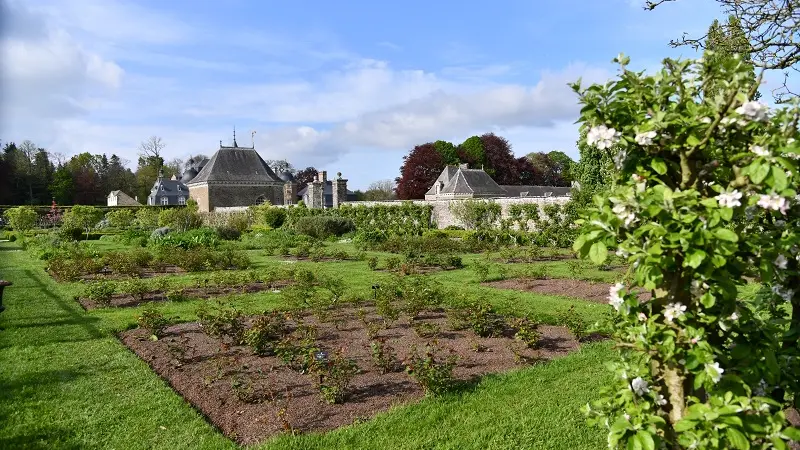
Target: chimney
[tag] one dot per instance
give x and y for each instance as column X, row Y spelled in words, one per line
column 463, row 166
column 323, row 176
column 136, row 197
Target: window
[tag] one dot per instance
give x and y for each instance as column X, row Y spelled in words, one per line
column 164, row 201
column 181, row 200
column 179, row 187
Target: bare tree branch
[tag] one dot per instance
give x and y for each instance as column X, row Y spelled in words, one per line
column 151, row 148
column 771, row 26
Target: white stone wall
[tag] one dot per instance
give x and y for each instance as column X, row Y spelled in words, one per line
column 443, row 217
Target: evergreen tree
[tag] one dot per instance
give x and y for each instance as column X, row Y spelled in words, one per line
column 722, row 43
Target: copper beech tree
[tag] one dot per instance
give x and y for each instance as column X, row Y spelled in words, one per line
column 703, row 198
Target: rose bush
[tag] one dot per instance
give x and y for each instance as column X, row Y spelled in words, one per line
column 704, row 197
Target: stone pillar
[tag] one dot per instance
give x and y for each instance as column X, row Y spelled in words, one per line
column 339, row 190
column 316, row 194
column 290, row 193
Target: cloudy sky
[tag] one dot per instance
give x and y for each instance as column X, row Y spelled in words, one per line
column 344, row 86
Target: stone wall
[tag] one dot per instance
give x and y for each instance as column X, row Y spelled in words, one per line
column 200, row 195
column 443, row 217
column 221, row 196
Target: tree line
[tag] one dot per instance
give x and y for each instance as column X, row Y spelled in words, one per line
column 490, row 152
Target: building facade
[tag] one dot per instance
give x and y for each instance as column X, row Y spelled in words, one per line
column 119, row 198
column 461, row 182
column 167, row 191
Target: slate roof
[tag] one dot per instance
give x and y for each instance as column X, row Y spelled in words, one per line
column 124, row 199
column 458, row 180
column 236, row 164
column 172, row 189
column 536, row 191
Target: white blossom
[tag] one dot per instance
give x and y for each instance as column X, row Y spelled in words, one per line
column 715, row 371
column 730, row 199
column 781, row 261
column 625, row 215
column 774, row 202
column 753, row 110
column 674, row 311
column 627, row 416
column 706, row 119
column 642, row 317
column 698, row 288
column 639, row 386
column 614, row 299
column 602, row 137
column 734, row 317
column 759, row 150
column 637, row 178
column 645, row 138
column 785, row 293
column 622, row 253
column 619, row 159
column 761, row 389
column 660, row 400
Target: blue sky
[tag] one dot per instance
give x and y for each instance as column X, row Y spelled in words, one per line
column 343, row 86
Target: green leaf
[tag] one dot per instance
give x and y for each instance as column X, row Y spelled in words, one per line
column 726, row 235
column 578, row 245
column 737, row 439
column 685, row 425
column 792, row 433
column 726, row 214
column 758, row 172
column 598, row 253
column 695, row 258
column 659, row 166
column 779, row 180
column 634, row 443
column 645, row 440
column 692, row 140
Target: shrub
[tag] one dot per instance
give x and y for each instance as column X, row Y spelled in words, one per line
column 384, row 356
column 335, row 374
column 266, row 331
column 180, row 219
column 322, row 227
column 120, row 218
column 476, row 214
column 573, row 321
column 431, row 371
column 372, row 262
column 68, row 232
column 137, row 288
column 146, row 218
column 269, row 216
column 525, row 331
column 21, row 218
column 153, row 320
column 228, row 234
column 481, row 269
column 100, row 292
column 83, row 217
column 483, row 321
column 224, row 321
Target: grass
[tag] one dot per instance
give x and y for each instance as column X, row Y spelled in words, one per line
column 67, row 382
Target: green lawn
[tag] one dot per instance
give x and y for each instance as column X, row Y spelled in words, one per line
column 67, row 382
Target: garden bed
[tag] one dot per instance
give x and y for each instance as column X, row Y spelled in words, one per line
column 251, row 398
column 584, row 290
column 107, row 274
column 129, row 300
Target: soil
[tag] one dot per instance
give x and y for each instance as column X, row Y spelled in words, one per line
column 127, row 300
column 584, row 290
column 205, row 369
column 524, row 260
column 107, row 274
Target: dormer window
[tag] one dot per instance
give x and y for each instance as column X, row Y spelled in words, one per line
column 181, row 200
column 179, row 187
column 162, row 187
column 164, row 201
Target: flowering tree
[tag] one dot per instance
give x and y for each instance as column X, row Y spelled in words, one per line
column 703, row 196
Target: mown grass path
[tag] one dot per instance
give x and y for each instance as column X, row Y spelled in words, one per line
column 67, row 382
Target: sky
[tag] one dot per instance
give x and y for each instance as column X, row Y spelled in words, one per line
column 345, row 87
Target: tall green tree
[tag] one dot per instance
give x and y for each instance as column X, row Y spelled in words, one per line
column 448, row 152
column 472, row 152
column 723, row 43
column 593, row 171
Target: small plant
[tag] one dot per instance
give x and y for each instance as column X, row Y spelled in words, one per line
column 372, row 263
column 225, row 321
column 151, row 319
column 335, row 374
column 373, row 328
column 483, row 320
column 426, row 329
column 575, row 268
column 243, row 389
column 384, row 356
column 136, row 287
column 432, row 371
column 476, row 346
column 176, row 295
column 100, row 292
column 481, row 270
column 573, row 321
column 265, row 333
column 526, row 332
column 516, row 350
column 536, row 272
column 392, row 263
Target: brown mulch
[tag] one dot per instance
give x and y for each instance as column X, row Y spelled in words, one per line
column 523, row 260
column 584, row 290
column 107, row 274
column 204, row 371
column 127, row 300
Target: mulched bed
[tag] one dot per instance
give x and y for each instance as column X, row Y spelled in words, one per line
column 523, row 260
column 107, row 274
column 584, row 290
column 127, row 300
column 204, row 370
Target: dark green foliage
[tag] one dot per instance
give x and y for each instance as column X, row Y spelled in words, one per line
column 222, row 321
column 472, row 152
column 322, row 227
column 375, row 222
column 265, row 333
column 384, row 356
column 100, row 291
column 447, row 151
column 335, row 374
column 574, row 322
column 228, row 233
column 153, row 320
column 432, row 371
column 199, row 237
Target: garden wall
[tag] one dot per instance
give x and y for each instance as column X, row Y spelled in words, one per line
column 443, row 217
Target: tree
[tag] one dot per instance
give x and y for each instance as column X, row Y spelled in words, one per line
column 562, row 167
column 63, row 187
column 175, row 166
column 472, row 152
column 499, row 160
column 726, row 43
column 544, row 172
column 419, row 171
column 280, row 165
column 696, row 208
column 448, row 152
column 380, row 191
column 120, row 218
column 593, row 171
column 306, row 175
column 770, row 26
column 151, row 148
column 84, row 217
column 21, row 218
